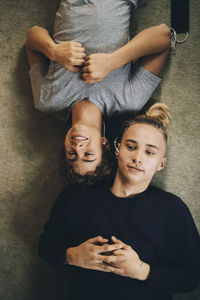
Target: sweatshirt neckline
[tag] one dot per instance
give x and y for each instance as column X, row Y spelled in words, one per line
column 128, row 199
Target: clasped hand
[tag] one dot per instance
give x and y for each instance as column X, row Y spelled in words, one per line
column 71, row 55
column 118, row 258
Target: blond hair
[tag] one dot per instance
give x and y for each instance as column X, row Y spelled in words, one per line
column 157, row 115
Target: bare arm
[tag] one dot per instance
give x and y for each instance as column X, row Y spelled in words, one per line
column 150, row 46
column 69, row 54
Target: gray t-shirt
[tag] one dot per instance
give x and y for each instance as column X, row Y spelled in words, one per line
column 101, row 26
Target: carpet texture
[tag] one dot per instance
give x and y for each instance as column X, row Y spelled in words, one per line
column 31, row 141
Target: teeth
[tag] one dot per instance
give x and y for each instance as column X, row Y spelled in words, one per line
column 78, row 138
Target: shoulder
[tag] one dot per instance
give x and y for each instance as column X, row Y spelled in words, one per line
column 78, row 191
column 171, row 202
column 162, row 193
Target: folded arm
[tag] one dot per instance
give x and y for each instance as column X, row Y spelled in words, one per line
column 180, row 275
column 69, row 54
column 150, row 47
column 55, row 247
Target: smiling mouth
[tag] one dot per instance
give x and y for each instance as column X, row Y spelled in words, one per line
column 135, row 169
column 79, row 138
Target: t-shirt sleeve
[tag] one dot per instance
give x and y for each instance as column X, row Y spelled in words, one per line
column 53, row 241
column 182, row 273
column 41, row 87
column 138, row 3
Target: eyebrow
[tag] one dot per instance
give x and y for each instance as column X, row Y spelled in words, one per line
column 148, row 145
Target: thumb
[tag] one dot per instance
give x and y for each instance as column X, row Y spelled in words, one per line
column 72, row 68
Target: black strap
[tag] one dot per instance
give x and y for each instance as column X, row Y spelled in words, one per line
column 180, row 15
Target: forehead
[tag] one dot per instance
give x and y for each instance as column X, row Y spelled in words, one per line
column 145, row 134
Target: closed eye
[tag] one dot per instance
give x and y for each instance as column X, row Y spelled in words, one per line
column 71, row 153
column 88, row 154
column 84, row 160
column 72, row 156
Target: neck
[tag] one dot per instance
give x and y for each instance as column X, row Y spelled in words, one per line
column 88, row 113
column 124, row 189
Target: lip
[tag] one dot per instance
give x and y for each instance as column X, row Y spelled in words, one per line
column 135, row 169
column 79, row 138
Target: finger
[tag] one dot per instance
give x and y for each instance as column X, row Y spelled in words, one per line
column 100, row 268
column 112, row 259
column 92, row 80
column 90, row 77
column 79, row 55
column 97, row 239
column 115, row 240
column 76, row 54
column 112, row 269
column 87, row 76
column 79, row 49
column 89, row 59
column 87, row 63
column 76, row 44
column 72, row 68
column 119, row 252
column 78, row 62
column 109, row 248
column 91, row 56
column 86, row 69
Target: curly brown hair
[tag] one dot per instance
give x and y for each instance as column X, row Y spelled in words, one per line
column 103, row 172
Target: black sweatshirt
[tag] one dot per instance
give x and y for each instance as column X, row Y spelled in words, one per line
column 155, row 223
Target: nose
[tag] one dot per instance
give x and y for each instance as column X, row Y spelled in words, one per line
column 78, row 143
column 79, row 147
column 137, row 158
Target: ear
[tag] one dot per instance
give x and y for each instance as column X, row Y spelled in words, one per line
column 162, row 163
column 117, row 150
column 106, row 143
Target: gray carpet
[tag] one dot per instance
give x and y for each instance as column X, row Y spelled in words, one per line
column 31, row 141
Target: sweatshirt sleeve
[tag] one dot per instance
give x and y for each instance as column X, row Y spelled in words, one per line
column 182, row 272
column 53, row 241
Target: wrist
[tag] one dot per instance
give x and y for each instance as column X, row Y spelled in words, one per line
column 50, row 50
column 143, row 271
column 69, row 256
column 114, row 61
column 117, row 59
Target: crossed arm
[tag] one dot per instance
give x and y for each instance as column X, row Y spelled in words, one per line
column 118, row 258
column 150, row 47
column 178, row 271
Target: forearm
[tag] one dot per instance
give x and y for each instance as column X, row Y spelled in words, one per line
column 175, row 279
column 152, row 40
column 38, row 39
column 52, row 251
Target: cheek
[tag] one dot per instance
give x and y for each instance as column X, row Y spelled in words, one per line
column 66, row 143
column 153, row 165
column 123, row 154
column 121, row 160
column 67, row 136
